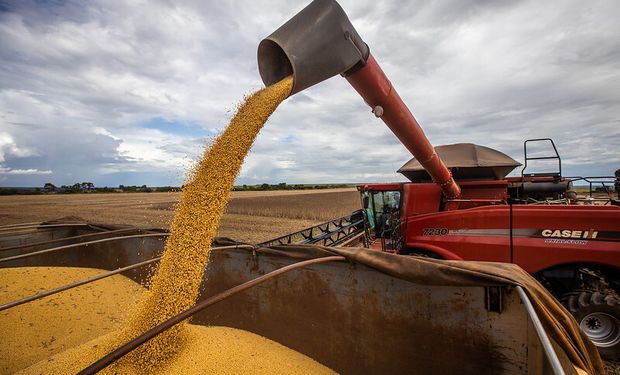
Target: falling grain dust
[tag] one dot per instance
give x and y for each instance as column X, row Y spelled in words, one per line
column 176, row 284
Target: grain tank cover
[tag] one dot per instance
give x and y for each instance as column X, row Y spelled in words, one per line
column 466, row 161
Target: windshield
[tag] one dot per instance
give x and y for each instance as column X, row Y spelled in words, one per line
column 382, row 205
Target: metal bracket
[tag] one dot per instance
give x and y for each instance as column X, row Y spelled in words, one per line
column 494, row 299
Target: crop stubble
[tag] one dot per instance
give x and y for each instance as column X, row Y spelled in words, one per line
column 252, row 216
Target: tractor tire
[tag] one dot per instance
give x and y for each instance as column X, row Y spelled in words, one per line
column 598, row 316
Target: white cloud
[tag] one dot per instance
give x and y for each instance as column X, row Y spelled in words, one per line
column 149, row 148
column 9, row 147
column 23, row 171
column 78, row 81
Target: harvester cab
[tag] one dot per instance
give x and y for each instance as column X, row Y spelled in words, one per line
column 382, row 209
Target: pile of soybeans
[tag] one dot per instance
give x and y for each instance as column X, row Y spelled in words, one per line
column 174, row 287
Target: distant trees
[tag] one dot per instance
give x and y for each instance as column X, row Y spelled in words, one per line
column 285, row 186
column 135, row 188
column 89, row 187
column 83, row 187
column 78, row 187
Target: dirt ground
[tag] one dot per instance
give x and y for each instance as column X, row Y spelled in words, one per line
column 252, row 216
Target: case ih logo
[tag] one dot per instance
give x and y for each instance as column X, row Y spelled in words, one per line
column 567, row 233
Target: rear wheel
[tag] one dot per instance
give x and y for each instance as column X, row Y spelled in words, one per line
column 598, row 316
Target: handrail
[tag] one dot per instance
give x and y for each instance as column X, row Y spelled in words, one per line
column 10, row 231
column 49, row 292
column 591, row 180
column 33, row 244
column 526, row 158
column 552, row 356
column 19, row 224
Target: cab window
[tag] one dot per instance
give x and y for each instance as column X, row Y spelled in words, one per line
column 386, row 205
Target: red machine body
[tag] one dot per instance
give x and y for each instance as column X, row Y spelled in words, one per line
column 534, row 221
column 486, row 228
column 571, row 247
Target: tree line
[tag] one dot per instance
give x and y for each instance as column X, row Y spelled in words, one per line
column 89, row 187
column 84, row 187
column 285, row 186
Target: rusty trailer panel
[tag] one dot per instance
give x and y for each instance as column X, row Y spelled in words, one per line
column 357, row 320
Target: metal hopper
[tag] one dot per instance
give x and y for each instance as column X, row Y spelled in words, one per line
column 466, row 161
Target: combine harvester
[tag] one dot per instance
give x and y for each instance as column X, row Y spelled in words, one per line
column 355, row 309
column 459, row 205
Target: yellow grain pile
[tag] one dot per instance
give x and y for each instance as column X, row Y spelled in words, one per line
column 42, row 328
column 208, row 350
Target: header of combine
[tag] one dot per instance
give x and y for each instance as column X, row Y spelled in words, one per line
column 320, row 42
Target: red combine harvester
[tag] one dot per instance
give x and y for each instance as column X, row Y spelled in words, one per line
column 463, row 208
column 534, row 220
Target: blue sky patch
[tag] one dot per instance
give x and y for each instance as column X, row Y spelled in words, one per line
column 178, row 128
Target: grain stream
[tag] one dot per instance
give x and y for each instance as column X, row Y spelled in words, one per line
column 176, row 284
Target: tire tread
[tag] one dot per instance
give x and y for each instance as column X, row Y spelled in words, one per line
column 582, row 302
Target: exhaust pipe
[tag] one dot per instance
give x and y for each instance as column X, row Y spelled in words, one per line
column 320, row 42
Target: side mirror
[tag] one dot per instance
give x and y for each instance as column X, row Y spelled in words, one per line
column 365, row 201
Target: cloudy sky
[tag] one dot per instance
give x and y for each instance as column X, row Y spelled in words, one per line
column 129, row 92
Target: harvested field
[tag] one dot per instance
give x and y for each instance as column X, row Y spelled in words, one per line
column 252, row 216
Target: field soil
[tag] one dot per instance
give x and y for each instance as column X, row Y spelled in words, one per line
column 251, row 216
